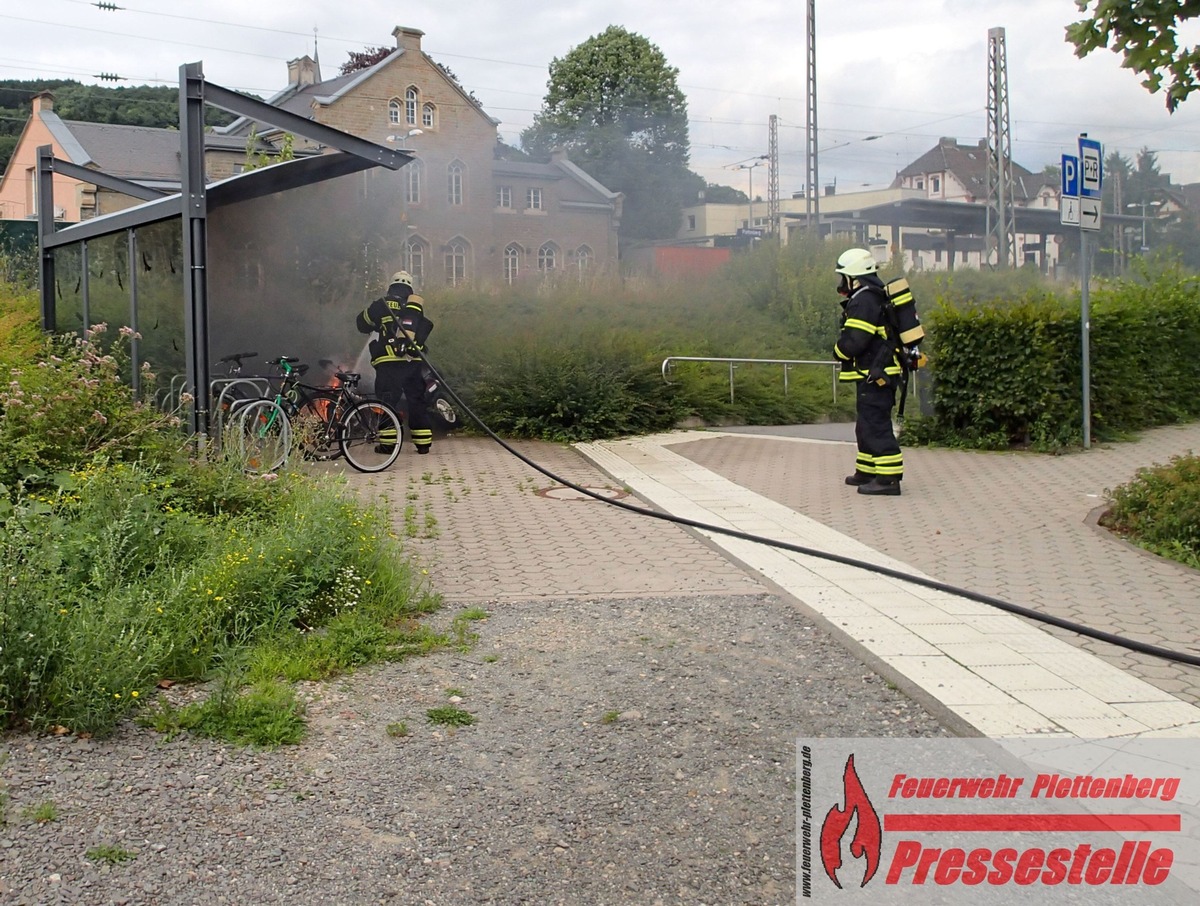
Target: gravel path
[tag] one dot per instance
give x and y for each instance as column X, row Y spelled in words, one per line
column 624, row 751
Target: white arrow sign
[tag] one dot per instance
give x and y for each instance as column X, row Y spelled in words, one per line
column 1089, row 213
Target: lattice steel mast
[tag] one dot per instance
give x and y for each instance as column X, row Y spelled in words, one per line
column 1002, row 227
column 773, row 174
column 812, row 203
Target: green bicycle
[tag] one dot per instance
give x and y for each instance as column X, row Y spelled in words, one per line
column 326, row 422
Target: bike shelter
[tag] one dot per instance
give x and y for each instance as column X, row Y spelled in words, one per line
column 279, row 257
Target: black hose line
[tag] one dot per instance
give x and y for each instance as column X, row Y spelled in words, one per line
column 1079, row 628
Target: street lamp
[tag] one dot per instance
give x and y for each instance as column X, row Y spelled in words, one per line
column 1143, row 204
column 402, row 139
column 757, row 163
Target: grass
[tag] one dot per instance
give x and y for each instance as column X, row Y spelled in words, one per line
column 450, row 716
column 265, row 715
column 610, row 717
column 42, row 813
column 397, row 730
column 113, row 855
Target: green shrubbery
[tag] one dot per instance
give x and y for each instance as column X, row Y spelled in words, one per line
column 1160, row 510
column 126, row 562
column 579, row 361
column 1011, row 374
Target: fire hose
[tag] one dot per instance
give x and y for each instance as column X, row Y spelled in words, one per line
column 1158, row 651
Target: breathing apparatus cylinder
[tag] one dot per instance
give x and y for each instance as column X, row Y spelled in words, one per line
column 911, row 331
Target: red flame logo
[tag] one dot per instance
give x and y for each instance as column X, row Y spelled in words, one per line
column 867, row 835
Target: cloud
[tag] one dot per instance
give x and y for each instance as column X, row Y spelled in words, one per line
column 910, row 71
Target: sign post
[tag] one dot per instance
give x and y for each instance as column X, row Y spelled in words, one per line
column 1091, row 185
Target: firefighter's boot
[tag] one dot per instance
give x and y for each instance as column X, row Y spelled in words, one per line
column 889, row 487
column 858, row 478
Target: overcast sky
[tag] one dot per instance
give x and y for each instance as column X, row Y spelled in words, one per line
column 908, row 71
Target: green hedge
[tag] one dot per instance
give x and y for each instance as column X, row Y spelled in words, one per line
column 1012, row 373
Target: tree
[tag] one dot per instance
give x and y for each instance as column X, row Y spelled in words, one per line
column 1145, row 32
column 714, row 193
column 614, row 104
column 364, row 59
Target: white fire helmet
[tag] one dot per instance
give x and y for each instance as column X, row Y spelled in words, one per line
column 856, row 263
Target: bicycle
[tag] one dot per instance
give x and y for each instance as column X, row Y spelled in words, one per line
column 329, row 422
column 236, row 389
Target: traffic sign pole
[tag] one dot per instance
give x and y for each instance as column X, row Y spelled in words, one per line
column 1091, row 186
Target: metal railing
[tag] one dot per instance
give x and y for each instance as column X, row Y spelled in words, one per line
column 733, row 363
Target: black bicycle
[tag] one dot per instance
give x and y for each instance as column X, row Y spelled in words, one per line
column 323, row 422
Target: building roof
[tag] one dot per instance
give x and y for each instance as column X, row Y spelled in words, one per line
column 299, row 99
column 139, row 153
column 968, row 164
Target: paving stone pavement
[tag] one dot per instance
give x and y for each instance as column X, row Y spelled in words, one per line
column 484, row 527
column 1018, row 526
column 997, row 674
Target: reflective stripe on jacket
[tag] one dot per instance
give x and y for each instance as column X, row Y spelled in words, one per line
column 395, row 321
column 864, row 335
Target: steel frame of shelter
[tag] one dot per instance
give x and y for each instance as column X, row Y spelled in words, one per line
column 192, row 204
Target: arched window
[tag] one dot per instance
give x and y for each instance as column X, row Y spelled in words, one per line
column 512, row 262
column 584, row 259
column 415, row 253
column 548, row 258
column 394, row 112
column 428, row 116
column 454, row 182
column 456, row 261
column 412, row 182
column 410, row 105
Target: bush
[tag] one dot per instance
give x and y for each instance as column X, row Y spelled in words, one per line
column 73, row 402
column 1160, row 510
column 127, row 563
column 1012, row 373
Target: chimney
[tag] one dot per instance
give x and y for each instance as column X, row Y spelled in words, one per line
column 303, row 71
column 43, row 102
column 408, row 38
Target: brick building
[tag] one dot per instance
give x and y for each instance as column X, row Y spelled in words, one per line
column 466, row 209
column 140, row 154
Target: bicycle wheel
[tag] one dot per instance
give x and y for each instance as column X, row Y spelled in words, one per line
column 443, row 410
column 371, row 436
column 264, row 436
column 313, row 427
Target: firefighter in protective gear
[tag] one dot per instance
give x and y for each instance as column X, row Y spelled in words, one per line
column 868, row 361
column 399, row 319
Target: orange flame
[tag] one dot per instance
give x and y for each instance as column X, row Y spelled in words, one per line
column 868, row 834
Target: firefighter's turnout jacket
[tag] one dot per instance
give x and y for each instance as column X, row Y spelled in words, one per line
column 863, row 343
column 401, row 324
column 868, row 359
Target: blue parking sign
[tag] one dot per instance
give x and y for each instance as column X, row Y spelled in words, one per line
column 1070, row 176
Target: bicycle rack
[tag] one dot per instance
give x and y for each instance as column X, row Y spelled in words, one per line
column 260, row 386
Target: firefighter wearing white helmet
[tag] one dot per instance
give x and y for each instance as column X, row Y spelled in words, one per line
column 868, row 362
column 399, row 319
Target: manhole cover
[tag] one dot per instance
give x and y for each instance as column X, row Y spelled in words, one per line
column 563, row 493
